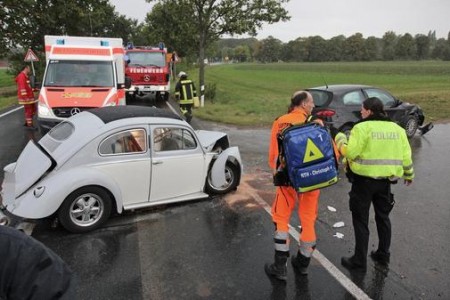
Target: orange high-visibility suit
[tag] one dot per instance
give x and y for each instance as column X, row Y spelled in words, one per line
column 25, row 97
column 286, row 196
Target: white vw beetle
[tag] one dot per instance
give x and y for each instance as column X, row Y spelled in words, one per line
column 114, row 159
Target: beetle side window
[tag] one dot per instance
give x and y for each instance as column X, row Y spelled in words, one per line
column 353, row 98
column 130, row 141
column 170, row 139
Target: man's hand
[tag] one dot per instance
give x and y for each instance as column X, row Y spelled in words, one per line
column 340, row 140
column 408, row 182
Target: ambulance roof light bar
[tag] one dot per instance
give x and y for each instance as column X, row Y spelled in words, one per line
column 63, row 42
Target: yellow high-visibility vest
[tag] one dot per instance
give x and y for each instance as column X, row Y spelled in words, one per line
column 379, row 149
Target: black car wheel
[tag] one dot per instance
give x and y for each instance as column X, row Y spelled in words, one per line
column 85, row 209
column 411, row 124
column 232, row 175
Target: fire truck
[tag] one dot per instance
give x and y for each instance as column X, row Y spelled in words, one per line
column 81, row 73
column 149, row 71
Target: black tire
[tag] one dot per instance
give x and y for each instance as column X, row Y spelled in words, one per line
column 85, row 209
column 232, row 175
column 411, row 124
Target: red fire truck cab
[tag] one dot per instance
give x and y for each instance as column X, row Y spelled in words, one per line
column 148, row 70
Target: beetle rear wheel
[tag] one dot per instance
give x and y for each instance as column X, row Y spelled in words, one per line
column 85, row 209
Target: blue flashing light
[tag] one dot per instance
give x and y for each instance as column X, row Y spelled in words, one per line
column 161, row 45
column 104, row 43
column 60, row 42
column 130, row 45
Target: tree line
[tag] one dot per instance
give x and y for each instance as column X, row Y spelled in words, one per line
column 340, row 48
column 193, row 28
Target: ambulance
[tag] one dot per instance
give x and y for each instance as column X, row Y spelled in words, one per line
column 81, row 73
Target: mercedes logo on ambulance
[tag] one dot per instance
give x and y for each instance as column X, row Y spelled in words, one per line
column 146, row 77
column 75, row 111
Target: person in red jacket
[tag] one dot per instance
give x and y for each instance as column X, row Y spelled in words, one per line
column 25, row 96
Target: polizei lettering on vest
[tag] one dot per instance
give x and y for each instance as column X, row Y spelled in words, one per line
column 385, row 135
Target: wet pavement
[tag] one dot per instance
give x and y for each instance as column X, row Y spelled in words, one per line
column 216, row 248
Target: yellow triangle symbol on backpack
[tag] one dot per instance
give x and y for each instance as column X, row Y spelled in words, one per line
column 312, row 152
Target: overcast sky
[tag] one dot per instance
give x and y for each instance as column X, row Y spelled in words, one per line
column 329, row 18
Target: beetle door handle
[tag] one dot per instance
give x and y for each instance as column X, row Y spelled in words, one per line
column 157, row 162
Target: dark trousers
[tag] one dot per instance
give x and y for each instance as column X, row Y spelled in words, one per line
column 364, row 192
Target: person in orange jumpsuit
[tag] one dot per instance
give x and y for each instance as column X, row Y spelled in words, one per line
column 25, row 96
column 286, row 196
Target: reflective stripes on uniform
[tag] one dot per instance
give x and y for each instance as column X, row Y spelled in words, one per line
column 378, row 162
column 306, row 248
column 281, row 240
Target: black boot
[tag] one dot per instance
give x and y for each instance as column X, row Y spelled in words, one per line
column 300, row 263
column 278, row 269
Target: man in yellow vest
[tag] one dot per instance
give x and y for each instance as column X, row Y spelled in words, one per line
column 185, row 93
column 377, row 154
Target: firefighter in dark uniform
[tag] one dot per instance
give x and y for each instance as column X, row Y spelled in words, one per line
column 185, row 93
column 378, row 154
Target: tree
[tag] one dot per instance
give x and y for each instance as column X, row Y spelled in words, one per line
column 423, row 46
column 205, row 21
column 335, row 48
column 23, row 24
column 270, row 50
column 405, row 47
column 373, row 47
column 316, row 48
column 355, row 48
column 389, row 40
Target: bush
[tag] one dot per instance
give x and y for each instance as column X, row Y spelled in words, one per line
column 210, row 91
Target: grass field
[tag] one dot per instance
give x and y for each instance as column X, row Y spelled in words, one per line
column 254, row 94
column 7, row 89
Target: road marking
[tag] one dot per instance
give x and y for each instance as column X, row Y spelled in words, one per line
column 11, row 111
column 171, row 108
column 332, row 269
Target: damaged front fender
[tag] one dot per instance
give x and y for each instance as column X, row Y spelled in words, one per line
column 218, row 175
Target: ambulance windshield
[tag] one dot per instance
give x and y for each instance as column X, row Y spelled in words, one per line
column 72, row 73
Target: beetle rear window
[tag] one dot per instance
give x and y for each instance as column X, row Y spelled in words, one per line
column 62, row 131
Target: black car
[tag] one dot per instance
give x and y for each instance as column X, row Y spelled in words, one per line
column 340, row 107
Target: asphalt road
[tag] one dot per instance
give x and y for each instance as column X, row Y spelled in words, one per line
column 216, row 248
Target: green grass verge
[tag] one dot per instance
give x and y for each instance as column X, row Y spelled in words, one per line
column 8, row 89
column 255, row 94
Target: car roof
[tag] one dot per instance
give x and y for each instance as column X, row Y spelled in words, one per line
column 91, row 123
column 114, row 113
column 340, row 87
